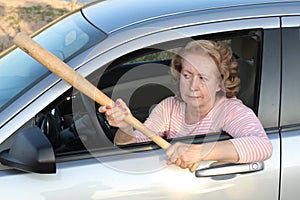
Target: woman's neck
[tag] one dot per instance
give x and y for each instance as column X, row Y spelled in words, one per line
column 194, row 115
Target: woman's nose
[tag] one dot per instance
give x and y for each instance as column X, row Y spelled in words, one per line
column 195, row 83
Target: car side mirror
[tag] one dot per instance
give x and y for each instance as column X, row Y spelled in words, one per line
column 31, row 151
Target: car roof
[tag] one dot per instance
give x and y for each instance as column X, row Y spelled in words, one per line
column 111, row 15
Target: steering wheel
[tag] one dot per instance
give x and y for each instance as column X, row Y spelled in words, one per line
column 51, row 126
column 98, row 121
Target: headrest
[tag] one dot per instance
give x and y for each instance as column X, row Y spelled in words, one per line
column 244, row 47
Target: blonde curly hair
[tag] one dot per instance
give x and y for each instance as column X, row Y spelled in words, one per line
column 223, row 58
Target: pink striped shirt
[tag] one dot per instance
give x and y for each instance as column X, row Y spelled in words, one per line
column 230, row 115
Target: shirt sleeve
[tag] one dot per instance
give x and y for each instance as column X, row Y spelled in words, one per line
column 249, row 137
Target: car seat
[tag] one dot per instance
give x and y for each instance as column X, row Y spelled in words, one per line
column 245, row 49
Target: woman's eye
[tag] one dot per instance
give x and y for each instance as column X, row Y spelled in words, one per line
column 203, row 78
column 187, row 76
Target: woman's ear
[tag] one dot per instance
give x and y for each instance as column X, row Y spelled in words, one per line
column 220, row 87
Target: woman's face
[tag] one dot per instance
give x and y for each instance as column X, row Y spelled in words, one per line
column 199, row 81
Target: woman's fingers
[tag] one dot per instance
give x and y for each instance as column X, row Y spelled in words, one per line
column 173, row 153
column 116, row 114
column 184, row 155
column 193, row 166
column 102, row 109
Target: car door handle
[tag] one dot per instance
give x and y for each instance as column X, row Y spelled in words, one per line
column 229, row 168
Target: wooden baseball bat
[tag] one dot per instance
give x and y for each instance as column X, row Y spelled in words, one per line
column 62, row 70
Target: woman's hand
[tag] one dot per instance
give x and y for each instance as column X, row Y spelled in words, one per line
column 184, row 155
column 116, row 115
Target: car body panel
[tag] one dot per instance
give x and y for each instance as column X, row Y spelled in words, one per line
column 290, row 164
column 123, row 177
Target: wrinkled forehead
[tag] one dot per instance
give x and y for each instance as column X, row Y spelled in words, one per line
column 200, row 63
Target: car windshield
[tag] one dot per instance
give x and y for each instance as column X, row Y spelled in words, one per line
column 65, row 39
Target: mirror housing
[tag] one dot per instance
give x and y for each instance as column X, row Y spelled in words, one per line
column 30, row 151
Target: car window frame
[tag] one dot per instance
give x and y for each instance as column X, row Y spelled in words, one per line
column 150, row 145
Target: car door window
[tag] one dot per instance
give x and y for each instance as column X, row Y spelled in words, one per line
column 142, row 79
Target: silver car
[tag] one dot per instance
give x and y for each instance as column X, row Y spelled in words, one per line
column 55, row 145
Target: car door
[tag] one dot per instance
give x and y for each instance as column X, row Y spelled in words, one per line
column 289, row 113
column 139, row 170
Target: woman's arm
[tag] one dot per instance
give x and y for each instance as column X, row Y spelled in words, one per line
column 249, row 137
column 122, row 138
column 183, row 155
column 249, row 144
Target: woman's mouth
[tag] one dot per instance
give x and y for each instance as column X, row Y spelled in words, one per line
column 193, row 97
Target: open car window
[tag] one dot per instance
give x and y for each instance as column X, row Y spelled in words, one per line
column 142, row 79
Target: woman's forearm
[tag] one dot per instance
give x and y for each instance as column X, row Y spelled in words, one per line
column 219, row 151
column 123, row 138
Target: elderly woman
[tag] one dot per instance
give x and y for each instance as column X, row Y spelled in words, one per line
column 207, row 76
